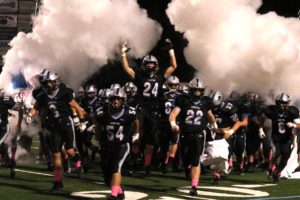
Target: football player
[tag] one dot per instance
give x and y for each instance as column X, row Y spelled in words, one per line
column 169, row 140
column 193, row 112
column 149, row 83
column 7, row 103
column 115, row 121
column 57, row 100
column 89, row 103
column 284, row 118
column 227, row 120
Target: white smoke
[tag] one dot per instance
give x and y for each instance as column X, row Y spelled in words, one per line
column 75, row 38
column 234, row 48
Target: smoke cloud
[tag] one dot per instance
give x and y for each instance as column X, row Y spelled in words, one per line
column 75, row 38
column 234, row 48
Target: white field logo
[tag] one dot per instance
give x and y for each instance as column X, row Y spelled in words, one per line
column 237, row 191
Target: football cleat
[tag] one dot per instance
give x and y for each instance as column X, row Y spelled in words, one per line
column 57, row 185
column 193, row 191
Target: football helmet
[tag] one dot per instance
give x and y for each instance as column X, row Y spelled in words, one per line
column 150, row 65
column 282, row 101
column 117, row 99
column 115, row 86
column 41, row 76
column 196, row 88
column 52, row 81
column 173, row 83
column 216, row 97
column 104, row 94
column 250, row 96
column 130, row 89
column 91, row 91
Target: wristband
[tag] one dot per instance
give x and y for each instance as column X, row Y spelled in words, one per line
column 231, row 132
column 171, row 52
column 173, row 123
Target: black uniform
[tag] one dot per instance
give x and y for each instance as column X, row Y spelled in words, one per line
column 238, row 139
column 281, row 134
column 149, row 95
column 58, row 116
column 193, row 122
column 116, row 133
column 167, row 105
column 6, row 103
column 84, row 140
column 226, row 116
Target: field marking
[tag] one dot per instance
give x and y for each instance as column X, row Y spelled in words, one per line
column 254, row 185
column 217, row 191
column 271, row 198
column 103, row 193
column 32, row 172
column 51, row 175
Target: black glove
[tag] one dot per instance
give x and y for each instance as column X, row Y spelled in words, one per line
column 168, row 44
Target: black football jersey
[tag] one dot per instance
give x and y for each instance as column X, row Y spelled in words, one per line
column 225, row 114
column 193, row 114
column 6, row 103
column 115, row 128
column 149, row 87
column 56, row 107
column 280, row 131
column 90, row 105
column 167, row 104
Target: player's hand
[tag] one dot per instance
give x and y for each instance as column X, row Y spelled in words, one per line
column 124, row 48
column 135, row 137
column 261, row 133
column 91, row 129
column 175, row 128
column 82, row 125
column 76, row 120
column 291, row 125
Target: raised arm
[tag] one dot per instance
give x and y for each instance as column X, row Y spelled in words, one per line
column 125, row 63
column 173, row 63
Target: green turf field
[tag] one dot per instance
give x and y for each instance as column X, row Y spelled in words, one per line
column 33, row 182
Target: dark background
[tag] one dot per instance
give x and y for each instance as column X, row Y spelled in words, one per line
column 156, row 10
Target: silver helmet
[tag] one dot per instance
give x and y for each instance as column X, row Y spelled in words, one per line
column 216, row 97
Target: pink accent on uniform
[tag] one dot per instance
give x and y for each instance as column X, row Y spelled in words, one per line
column 241, row 165
column 171, row 155
column 270, row 155
column 66, row 156
column 195, row 182
column 230, row 162
column 217, row 174
column 58, row 175
column 250, row 159
column 166, row 160
column 148, row 158
column 273, row 167
column 78, row 164
column 120, row 190
column 114, row 190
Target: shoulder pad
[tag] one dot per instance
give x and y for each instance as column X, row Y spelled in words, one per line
column 227, row 107
column 293, row 110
